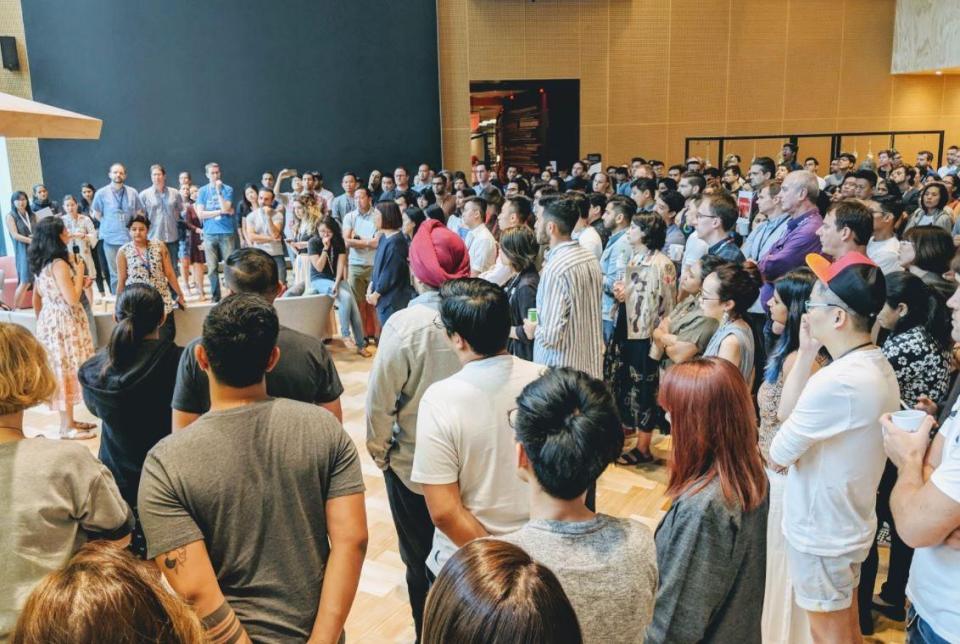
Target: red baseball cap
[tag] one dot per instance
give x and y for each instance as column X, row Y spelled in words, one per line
column 854, row 278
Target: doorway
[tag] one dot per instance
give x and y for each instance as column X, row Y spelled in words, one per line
column 529, row 124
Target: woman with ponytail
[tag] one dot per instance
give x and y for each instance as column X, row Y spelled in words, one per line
column 919, row 326
column 129, row 384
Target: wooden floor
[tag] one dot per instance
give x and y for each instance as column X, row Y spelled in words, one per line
column 381, row 611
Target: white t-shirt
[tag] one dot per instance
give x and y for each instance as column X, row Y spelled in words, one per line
column 694, row 250
column 482, row 248
column 500, row 274
column 463, row 436
column 590, row 239
column 834, row 445
column 934, row 585
column 258, row 219
column 885, row 254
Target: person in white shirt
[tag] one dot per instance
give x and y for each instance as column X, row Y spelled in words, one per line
column 831, row 442
column 481, row 245
column 465, row 455
column 516, row 212
column 884, row 247
column 586, row 234
column 926, row 508
column 691, row 186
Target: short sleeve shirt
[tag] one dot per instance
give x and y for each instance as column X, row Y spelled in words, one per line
column 261, row 511
column 329, row 272
column 305, row 372
column 361, row 226
column 934, row 584
column 56, row 495
column 116, row 208
column 221, row 224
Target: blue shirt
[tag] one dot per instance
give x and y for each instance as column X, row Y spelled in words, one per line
column 613, row 261
column 222, row 224
column 163, row 210
column 116, row 208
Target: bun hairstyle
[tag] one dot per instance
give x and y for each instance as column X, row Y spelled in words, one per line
column 139, row 312
column 739, row 283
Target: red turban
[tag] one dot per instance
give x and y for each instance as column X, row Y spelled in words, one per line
column 437, row 254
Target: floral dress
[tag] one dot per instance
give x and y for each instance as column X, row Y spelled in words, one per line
column 63, row 330
column 147, row 268
column 921, row 366
column 633, row 375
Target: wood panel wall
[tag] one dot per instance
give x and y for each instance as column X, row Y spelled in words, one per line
column 653, row 72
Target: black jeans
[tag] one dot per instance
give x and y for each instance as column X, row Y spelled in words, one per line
column 102, row 268
column 894, row 589
column 415, row 534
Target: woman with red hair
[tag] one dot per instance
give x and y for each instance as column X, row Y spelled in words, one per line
column 711, row 544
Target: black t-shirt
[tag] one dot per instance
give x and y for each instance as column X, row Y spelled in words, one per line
column 305, row 372
column 337, row 248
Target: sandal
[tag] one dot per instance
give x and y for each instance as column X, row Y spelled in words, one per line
column 83, row 426
column 363, row 352
column 635, row 457
column 77, row 435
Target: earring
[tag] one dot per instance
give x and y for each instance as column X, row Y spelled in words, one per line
column 725, row 318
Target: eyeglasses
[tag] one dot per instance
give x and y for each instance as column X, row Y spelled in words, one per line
column 810, row 304
column 708, row 299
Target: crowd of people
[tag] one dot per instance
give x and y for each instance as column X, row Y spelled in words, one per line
column 793, row 334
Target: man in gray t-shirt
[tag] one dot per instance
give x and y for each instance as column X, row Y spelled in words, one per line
column 607, row 566
column 244, row 510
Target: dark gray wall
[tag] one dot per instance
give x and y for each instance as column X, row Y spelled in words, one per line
column 253, row 84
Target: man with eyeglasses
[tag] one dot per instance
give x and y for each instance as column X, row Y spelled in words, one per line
column 832, row 443
column 412, row 355
column 440, row 187
column 798, row 198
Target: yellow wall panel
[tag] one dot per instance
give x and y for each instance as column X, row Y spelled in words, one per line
column 653, row 72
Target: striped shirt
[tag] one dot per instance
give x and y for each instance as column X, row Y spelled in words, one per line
column 570, row 332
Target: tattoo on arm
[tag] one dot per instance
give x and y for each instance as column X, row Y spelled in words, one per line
column 175, row 558
column 222, row 625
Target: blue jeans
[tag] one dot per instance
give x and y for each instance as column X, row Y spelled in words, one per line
column 919, row 631
column 608, row 328
column 347, row 311
column 173, row 249
column 218, row 248
column 110, row 250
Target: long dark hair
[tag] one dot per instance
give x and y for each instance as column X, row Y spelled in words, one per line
column 139, row 312
column 46, row 245
column 13, row 202
column 84, row 204
column 337, row 243
column 924, row 308
column 794, row 290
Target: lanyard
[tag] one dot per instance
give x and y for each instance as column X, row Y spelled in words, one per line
column 26, row 221
column 144, row 258
column 119, row 200
column 769, row 233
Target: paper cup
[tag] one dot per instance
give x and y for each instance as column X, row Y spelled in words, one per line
column 908, row 420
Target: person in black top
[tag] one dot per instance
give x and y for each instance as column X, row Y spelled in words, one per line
column 390, row 289
column 128, row 384
column 327, row 253
column 518, row 250
column 304, row 371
